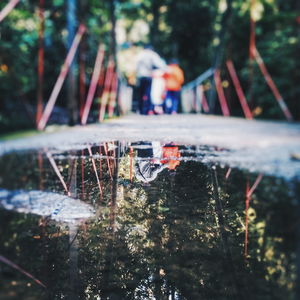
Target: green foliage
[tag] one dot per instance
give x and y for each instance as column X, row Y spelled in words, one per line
column 19, row 52
column 187, row 30
column 151, row 240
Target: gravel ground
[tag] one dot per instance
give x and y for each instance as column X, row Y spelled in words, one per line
column 261, row 146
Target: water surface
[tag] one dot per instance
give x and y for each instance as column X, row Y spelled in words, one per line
column 164, row 224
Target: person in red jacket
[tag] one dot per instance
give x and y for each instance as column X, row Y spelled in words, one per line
column 174, row 79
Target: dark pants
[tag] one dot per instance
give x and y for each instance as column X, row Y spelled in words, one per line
column 171, row 102
column 145, row 104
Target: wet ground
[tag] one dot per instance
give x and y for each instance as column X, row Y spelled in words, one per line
column 131, row 219
column 259, row 146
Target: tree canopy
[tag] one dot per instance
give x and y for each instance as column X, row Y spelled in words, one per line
column 192, row 31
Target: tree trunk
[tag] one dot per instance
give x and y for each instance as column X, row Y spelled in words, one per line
column 71, row 86
column 228, row 260
column 113, row 20
column 73, row 231
column 154, row 28
column 41, row 51
column 82, row 58
column 219, row 53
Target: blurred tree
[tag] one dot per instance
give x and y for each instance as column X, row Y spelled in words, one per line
column 193, row 31
column 157, row 239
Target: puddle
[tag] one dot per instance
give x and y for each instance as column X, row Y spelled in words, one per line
column 144, row 221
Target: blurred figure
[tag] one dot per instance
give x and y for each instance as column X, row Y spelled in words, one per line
column 158, row 89
column 174, row 79
column 152, row 158
column 148, row 164
column 171, row 156
column 147, row 61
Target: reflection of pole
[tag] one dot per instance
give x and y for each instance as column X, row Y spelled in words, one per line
column 73, row 231
column 224, row 237
column 107, row 160
column 100, row 165
column 95, row 170
column 228, row 173
column 113, row 164
column 56, row 170
column 249, row 193
column 41, row 51
column 131, row 163
column 255, row 184
column 247, row 201
column 73, row 257
column 114, row 189
column 18, row 268
column 44, row 238
column 73, row 169
column 82, row 175
column 109, row 254
column 40, row 164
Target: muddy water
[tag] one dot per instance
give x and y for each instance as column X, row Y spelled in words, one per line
column 144, row 221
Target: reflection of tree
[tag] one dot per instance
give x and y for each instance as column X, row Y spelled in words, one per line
column 32, row 247
column 156, row 240
column 270, row 264
column 193, row 235
column 171, row 226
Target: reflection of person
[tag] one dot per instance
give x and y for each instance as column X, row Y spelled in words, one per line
column 147, row 171
column 174, row 80
column 148, row 161
column 147, row 61
column 152, row 158
column 171, row 156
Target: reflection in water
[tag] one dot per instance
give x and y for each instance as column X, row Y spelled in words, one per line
column 152, row 158
column 165, row 225
column 57, row 207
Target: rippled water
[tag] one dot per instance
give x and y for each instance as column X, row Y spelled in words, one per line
column 163, row 223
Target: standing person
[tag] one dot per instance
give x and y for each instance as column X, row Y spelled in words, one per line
column 147, row 61
column 174, row 79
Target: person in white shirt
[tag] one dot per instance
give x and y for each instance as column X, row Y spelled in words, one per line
column 147, row 61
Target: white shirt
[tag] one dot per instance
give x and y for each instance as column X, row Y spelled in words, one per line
column 146, row 61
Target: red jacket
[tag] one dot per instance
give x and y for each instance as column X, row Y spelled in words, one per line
column 174, row 78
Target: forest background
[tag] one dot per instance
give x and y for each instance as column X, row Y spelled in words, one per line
column 200, row 33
